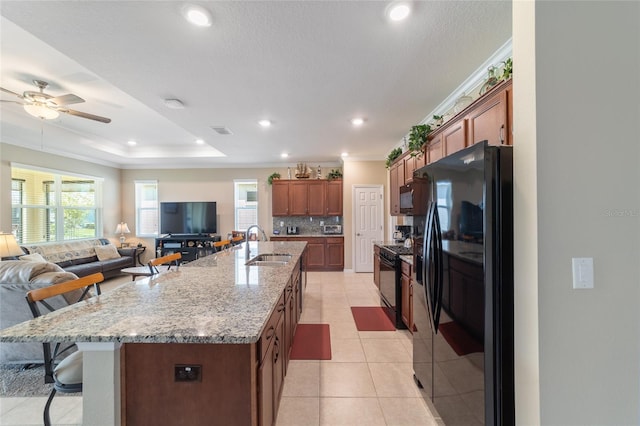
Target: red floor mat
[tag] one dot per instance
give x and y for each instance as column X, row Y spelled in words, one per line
column 311, row 341
column 371, row 318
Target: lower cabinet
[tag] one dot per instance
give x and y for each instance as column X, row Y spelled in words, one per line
column 322, row 253
column 407, row 295
column 376, row 266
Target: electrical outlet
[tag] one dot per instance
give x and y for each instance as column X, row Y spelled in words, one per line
column 188, row 373
column 322, row 223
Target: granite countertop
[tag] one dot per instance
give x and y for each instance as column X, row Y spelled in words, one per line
column 215, row 299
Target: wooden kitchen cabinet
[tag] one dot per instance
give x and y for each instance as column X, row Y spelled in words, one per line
column 280, row 198
column 488, row 119
column 317, row 197
column 335, row 253
column 271, row 371
column 322, row 253
column 454, row 137
column 434, row 149
column 334, row 205
column 298, row 198
column 407, row 295
column 396, row 172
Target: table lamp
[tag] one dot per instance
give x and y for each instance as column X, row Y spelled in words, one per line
column 122, row 229
column 9, row 246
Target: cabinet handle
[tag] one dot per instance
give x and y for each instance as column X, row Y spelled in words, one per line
column 501, row 135
column 271, row 332
column 281, row 308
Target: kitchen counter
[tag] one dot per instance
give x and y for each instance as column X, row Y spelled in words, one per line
column 215, row 299
column 211, row 313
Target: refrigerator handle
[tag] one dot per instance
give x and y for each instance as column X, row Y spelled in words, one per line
column 439, row 272
column 427, row 283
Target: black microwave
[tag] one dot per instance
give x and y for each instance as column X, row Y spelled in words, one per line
column 413, row 198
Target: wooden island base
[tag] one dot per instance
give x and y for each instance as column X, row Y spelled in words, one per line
column 226, row 393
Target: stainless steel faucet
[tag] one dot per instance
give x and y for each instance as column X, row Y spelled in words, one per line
column 246, row 238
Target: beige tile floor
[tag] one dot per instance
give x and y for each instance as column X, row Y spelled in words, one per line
column 368, row 381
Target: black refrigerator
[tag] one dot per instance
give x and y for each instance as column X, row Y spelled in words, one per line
column 463, row 287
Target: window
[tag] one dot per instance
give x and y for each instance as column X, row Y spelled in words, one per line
column 146, row 208
column 49, row 206
column 246, row 203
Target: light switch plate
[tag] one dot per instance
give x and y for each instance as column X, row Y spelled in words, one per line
column 582, row 272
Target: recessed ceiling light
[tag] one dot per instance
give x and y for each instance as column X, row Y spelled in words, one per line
column 344, row 154
column 132, row 142
column 284, row 155
column 358, row 121
column 264, row 123
column 398, row 11
column 199, row 141
column 197, row 15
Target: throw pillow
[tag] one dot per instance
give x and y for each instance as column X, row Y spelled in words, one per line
column 35, row 257
column 107, row 252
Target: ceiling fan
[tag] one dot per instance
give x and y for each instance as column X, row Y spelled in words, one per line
column 47, row 107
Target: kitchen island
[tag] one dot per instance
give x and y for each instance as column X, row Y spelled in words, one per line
column 229, row 325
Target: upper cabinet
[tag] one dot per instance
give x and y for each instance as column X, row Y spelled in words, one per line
column 488, row 118
column 317, row 197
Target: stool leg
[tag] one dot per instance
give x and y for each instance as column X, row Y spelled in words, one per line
column 47, row 420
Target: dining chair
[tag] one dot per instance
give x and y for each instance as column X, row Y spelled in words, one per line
column 62, row 366
column 171, row 259
column 221, row 245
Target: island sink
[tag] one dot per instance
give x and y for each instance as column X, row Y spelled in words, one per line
column 269, row 259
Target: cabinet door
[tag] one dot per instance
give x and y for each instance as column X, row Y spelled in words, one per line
column 298, row 198
column 409, row 167
column 278, row 364
column 289, row 324
column 335, row 254
column 315, row 254
column 265, row 376
column 434, row 150
column 280, row 198
column 316, row 197
column 334, row 198
column 454, row 137
column 394, row 191
column 406, row 301
column 488, row 120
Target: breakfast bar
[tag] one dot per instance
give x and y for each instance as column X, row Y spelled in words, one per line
column 198, row 345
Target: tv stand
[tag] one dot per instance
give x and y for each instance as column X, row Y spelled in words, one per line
column 191, row 246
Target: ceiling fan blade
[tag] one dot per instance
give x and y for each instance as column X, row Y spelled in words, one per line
column 86, row 115
column 12, row 102
column 66, row 100
column 10, row 92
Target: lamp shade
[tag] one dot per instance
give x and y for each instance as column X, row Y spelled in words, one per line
column 122, row 228
column 41, row 111
column 9, row 246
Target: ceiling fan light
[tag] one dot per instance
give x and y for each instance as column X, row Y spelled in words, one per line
column 41, row 111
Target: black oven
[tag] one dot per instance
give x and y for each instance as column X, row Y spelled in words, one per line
column 391, row 282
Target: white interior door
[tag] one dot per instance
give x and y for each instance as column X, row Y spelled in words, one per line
column 368, row 219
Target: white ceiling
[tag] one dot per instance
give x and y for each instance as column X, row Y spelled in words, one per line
column 309, row 66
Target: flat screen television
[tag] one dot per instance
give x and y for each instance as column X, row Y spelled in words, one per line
column 192, row 217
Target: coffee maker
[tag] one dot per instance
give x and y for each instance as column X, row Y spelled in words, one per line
column 401, row 233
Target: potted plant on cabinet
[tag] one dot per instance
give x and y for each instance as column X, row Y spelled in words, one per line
column 395, row 153
column 273, row 176
column 418, row 138
column 334, row 174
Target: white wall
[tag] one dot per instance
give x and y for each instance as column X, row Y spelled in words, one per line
column 577, row 180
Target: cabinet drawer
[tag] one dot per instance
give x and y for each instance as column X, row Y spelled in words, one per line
column 269, row 332
column 334, row 240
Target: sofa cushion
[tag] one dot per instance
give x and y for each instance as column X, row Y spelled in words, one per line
column 21, row 271
column 35, row 257
column 84, row 269
column 106, row 252
column 65, row 251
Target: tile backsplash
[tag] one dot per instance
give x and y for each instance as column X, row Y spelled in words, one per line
column 307, row 225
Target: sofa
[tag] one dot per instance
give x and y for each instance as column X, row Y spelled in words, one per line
column 86, row 257
column 17, row 277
